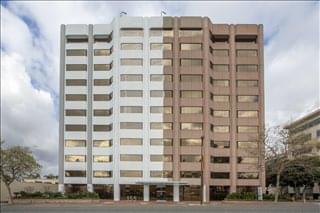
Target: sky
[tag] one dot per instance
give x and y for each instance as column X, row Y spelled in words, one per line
column 30, row 59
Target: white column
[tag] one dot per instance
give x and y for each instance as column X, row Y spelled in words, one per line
column 89, row 188
column 116, row 192
column 61, row 188
column 204, row 193
column 176, row 193
column 146, row 193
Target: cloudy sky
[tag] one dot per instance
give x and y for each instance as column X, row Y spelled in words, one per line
column 30, row 59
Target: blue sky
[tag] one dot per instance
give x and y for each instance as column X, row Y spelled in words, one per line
column 30, row 58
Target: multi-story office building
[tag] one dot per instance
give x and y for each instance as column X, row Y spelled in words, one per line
column 144, row 99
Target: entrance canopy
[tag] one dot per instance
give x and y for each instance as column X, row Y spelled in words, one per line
column 167, row 183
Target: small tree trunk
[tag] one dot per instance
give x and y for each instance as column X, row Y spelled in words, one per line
column 304, row 194
column 10, row 195
column 276, row 196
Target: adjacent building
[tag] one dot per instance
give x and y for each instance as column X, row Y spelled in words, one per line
column 156, row 107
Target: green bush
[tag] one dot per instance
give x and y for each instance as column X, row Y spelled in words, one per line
column 59, row 195
column 80, row 195
column 268, row 197
column 242, row 196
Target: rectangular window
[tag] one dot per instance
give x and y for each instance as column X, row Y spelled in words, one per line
column 161, row 109
column 162, row 62
column 190, row 174
column 75, row 143
column 220, row 98
column 77, row 128
column 190, row 32
column 76, row 82
column 220, row 67
column 131, row 125
column 190, row 78
column 247, row 145
column 161, row 93
column 102, row 174
column 247, row 83
column 161, row 174
column 247, row 68
column 161, row 46
column 131, row 77
column 161, row 142
column 127, row 157
column 247, row 98
column 75, row 158
column 102, row 82
column 160, row 77
column 107, row 38
column 131, row 46
column 76, row 52
column 190, row 46
column 102, row 158
column 131, row 32
column 220, row 83
column 220, row 175
column 76, row 97
column 247, row 129
column 191, row 110
column 75, row 173
column 102, row 143
column 77, row 40
column 248, row 175
column 130, row 173
column 130, row 109
column 220, row 129
column 247, row 53
column 190, row 62
column 76, row 112
column 102, row 52
column 248, row 160
column 220, row 53
column 190, row 142
column 130, row 141
column 247, row 114
column 131, row 93
column 161, row 158
column 102, row 112
column 190, row 158
column 219, row 38
column 190, row 94
column 160, row 125
column 221, row 113
column 102, row 67
column 161, row 32
column 219, row 159
column 102, row 128
column 131, row 61
column 191, row 126
column 102, row 97
column 76, row 67
column 220, row 144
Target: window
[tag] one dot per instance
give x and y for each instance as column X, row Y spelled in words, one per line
column 160, row 77
column 75, row 97
column 248, row 98
column 247, row 129
column 219, row 38
column 190, row 78
column 76, row 67
column 130, row 173
column 102, row 158
column 160, row 125
column 191, row 126
column 190, row 32
column 102, row 112
column 130, row 109
column 220, row 67
column 102, row 52
column 219, row 159
column 102, row 174
column 220, row 83
column 102, row 82
column 190, row 62
column 161, row 174
column 190, row 174
column 161, row 109
column 161, row 32
column 131, row 46
column 190, row 158
column 219, row 129
column 76, row 112
column 221, row 113
column 247, row 68
column 247, row 83
column 161, row 142
column 131, row 61
column 75, row 173
column 161, row 93
column 161, row 46
column 77, row 40
column 220, row 53
column 248, row 160
column 76, row 52
column 75, row 143
column 247, row 145
column 102, row 67
column 102, row 143
column 220, row 144
column 162, row 62
column 77, row 128
column 102, row 128
column 247, row 114
column 76, row 82
column 75, row 158
column 131, row 32
column 247, row 53
column 220, row 175
column 131, row 93
column 130, row 141
column 248, row 175
column 103, row 38
column 132, row 77
column 220, row 98
column 130, row 125
column 127, row 157
column 190, row 94
column 102, row 97
column 161, row 158
column 190, row 142
column 246, row 38
column 195, row 46
column 191, row 110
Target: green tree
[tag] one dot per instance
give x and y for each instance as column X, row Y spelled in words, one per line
column 17, row 163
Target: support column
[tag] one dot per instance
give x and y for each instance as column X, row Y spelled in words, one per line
column 146, row 193
column 176, row 196
column 205, row 191
column 61, row 188
column 116, row 192
column 89, row 188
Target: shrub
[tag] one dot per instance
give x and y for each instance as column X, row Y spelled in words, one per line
column 242, row 196
column 80, row 195
column 58, row 195
column 268, row 197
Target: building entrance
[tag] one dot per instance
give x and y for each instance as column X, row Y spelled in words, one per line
column 161, row 192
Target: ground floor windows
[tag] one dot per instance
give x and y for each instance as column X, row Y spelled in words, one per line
column 104, row 191
column 131, row 192
column 161, row 192
column 219, row 192
column 190, row 193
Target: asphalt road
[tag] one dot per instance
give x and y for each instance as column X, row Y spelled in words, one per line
column 164, row 208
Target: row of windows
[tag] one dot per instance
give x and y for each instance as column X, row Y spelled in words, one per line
column 242, row 160
column 241, row 175
column 240, row 129
column 83, row 112
column 83, row 128
column 138, row 32
column 83, row 97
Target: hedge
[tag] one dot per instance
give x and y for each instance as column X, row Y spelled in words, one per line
column 58, row 195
